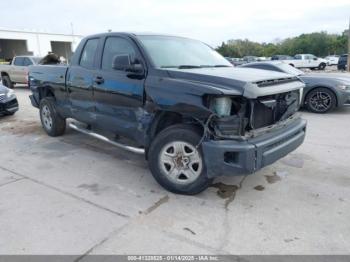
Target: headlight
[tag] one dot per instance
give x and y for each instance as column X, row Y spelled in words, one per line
column 10, row 94
column 222, row 106
column 344, row 87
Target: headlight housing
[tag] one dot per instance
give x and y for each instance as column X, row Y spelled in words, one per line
column 222, row 106
column 10, row 94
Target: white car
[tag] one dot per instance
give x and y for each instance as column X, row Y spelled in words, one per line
column 307, row 61
column 332, row 59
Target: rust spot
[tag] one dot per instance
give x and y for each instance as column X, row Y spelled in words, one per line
column 224, row 190
column 273, row 179
column 259, row 188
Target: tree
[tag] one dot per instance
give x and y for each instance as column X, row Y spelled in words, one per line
column 318, row 43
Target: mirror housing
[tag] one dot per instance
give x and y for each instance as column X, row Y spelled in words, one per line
column 123, row 63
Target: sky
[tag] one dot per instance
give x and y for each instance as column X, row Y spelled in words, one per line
column 207, row 20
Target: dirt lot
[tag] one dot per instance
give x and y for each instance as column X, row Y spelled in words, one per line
column 76, row 195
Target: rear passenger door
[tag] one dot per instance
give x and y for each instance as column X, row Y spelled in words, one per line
column 118, row 95
column 80, row 83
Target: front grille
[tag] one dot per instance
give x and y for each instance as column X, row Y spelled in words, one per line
column 269, row 110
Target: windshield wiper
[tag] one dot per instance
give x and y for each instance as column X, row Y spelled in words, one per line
column 222, row 66
column 210, row 66
column 182, row 66
column 188, row 66
column 194, row 66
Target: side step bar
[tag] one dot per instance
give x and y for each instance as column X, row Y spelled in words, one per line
column 105, row 139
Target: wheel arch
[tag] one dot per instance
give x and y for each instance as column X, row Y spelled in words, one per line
column 165, row 119
column 3, row 73
column 45, row 91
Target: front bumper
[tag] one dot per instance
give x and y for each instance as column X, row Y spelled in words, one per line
column 8, row 106
column 230, row 157
column 344, row 98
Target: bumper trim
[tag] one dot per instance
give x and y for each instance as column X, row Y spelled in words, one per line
column 230, row 157
column 9, row 107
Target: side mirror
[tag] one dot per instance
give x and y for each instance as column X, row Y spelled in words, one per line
column 315, row 58
column 123, row 62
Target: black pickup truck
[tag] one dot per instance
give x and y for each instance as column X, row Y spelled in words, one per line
column 177, row 101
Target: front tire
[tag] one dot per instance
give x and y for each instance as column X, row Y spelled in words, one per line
column 176, row 162
column 320, row 100
column 52, row 122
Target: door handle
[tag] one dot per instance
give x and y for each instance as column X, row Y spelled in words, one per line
column 99, row 80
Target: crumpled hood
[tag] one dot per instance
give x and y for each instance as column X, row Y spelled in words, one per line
column 226, row 77
column 238, row 81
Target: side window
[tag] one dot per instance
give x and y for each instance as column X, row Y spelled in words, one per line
column 27, row 62
column 116, row 46
column 298, row 57
column 88, row 54
column 18, row 61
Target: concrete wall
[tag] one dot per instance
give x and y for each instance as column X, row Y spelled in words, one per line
column 40, row 43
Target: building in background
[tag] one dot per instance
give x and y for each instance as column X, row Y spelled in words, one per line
column 17, row 42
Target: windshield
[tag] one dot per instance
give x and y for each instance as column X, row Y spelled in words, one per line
column 290, row 69
column 177, row 52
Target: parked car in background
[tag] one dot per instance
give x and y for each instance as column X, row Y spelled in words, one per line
column 8, row 101
column 307, row 61
column 17, row 71
column 332, row 59
column 236, row 61
column 183, row 105
column 281, row 57
column 233, row 60
column 322, row 93
column 249, row 59
column 343, row 62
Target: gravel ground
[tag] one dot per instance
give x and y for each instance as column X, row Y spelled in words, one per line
column 76, row 195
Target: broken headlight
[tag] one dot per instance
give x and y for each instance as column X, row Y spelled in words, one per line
column 221, row 106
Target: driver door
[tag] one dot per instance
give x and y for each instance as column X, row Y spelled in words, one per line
column 117, row 94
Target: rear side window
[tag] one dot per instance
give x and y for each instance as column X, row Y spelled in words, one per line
column 116, row 46
column 27, row 62
column 88, row 54
column 19, row 61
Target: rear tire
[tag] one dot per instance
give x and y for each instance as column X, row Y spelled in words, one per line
column 175, row 161
column 6, row 81
column 52, row 122
column 320, row 100
column 322, row 66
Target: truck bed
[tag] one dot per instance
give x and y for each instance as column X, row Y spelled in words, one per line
column 50, row 74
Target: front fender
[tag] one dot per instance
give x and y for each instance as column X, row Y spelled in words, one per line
column 181, row 96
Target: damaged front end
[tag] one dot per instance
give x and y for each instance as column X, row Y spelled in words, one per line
column 239, row 117
column 245, row 134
